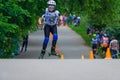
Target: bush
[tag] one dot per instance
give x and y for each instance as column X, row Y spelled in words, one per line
column 15, row 22
column 114, row 31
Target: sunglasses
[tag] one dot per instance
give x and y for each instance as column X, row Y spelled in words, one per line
column 51, row 7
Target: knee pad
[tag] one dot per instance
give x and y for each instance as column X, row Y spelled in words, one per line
column 46, row 40
column 55, row 36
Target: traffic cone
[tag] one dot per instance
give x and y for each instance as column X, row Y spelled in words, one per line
column 62, row 57
column 108, row 54
column 58, row 52
column 82, row 57
column 91, row 56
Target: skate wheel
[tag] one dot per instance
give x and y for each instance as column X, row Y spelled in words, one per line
column 49, row 54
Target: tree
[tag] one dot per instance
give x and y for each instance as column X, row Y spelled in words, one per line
column 14, row 23
column 102, row 12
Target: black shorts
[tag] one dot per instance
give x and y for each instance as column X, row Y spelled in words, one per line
column 104, row 49
column 48, row 29
column 94, row 46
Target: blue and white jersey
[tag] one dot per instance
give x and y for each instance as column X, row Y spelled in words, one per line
column 94, row 41
column 51, row 18
column 78, row 19
column 98, row 37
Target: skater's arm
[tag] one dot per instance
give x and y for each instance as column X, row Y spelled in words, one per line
column 40, row 20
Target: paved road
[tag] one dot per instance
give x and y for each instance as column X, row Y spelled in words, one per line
column 69, row 43
column 69, row 69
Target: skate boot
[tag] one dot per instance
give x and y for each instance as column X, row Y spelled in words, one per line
column 42, row 54
column 53, row 52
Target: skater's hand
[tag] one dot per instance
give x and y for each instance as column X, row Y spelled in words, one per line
column 40, row 25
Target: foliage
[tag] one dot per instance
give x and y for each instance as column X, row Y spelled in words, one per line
column 8, row 34
column 102, row 12
column 14, row 23
column 114, row 31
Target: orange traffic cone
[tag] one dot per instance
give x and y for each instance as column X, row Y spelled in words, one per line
column 62, row 57
column 108, row 54
column 58, row 52
column 91, row 56
column 82, row 57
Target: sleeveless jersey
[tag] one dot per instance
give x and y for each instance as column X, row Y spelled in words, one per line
column 51, row 18
column 94, row 41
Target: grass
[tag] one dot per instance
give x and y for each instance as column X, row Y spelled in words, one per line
column 81, row 30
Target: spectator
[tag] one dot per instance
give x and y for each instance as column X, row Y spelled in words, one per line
column 25, row 43
column 114, row 47
column 75, row 21
column 88, row 30
column 104, row 43
column 78, row 20
column 94, row 45
column 65, row 20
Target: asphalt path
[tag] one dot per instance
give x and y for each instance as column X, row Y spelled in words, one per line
column 69, row 43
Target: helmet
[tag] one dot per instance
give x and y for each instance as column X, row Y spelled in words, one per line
column 51, row 2
column 94, row 35
column 105, row 35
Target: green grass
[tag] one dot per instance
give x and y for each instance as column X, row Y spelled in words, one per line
column 81, row 30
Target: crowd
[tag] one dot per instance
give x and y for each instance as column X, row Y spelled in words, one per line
column 65, row 19
column 102, row 40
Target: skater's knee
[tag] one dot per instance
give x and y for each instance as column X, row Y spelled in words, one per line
column 55, row 37
column 46, row 40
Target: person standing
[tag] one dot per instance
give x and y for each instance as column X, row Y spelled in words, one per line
column 114, row 47
column 25, row 43
column 104, row 43
column 94, row 45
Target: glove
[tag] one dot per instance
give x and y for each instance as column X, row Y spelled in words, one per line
column 40, row 25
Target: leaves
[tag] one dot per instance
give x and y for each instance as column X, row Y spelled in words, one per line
column 13, row 21
column 102, row 12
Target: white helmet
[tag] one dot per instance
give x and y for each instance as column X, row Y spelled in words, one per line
column 51, row 2
column 105, row 35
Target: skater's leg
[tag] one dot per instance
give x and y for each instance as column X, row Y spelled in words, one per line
column 46, row 39
column 55, row 38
